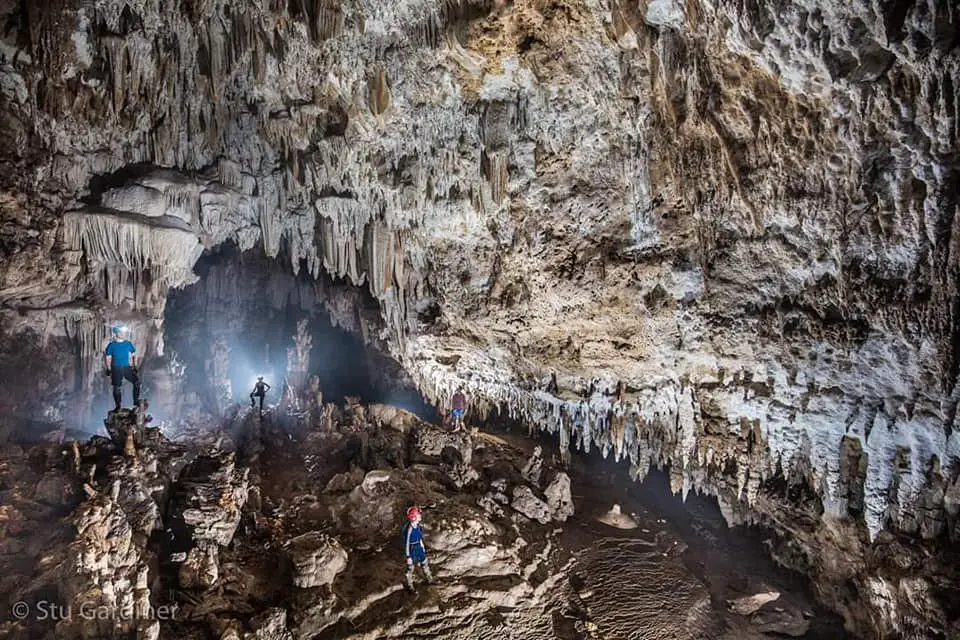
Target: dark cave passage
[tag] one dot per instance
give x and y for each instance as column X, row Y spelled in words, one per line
column 239, row 321
column 729, row 562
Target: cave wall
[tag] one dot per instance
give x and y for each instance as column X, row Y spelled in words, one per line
column 719, row 236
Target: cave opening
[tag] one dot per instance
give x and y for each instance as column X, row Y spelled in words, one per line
column 240, row 320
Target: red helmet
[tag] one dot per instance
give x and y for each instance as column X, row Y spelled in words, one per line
column 413, row 512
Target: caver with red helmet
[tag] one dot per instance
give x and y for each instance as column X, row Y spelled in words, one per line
column 413, row 548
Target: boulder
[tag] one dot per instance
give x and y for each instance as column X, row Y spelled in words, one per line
column 317, row 559
column 525, row 502
column 387, row 415
column 343, row 482
column 780, row 621
column 436, row 446
column 462, row 475
column 201, row 567
column 559, row 498
column 54, row 488
column 372, row 481
column 489, row 504
column 269, row 625
column 209, row 498
column 750, row 604
column 531, row 471
column 452, row 450
column 665, row 14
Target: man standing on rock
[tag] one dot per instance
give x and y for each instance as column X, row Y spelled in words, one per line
column 458, row 407
column 259, row 391
column 120, row 364
column 413, row 547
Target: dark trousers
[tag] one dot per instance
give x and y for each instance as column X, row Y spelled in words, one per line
column 117, row 376
column 255, row 395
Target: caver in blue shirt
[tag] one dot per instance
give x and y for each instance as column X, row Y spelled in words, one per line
column 413, row 543
column 119, row 352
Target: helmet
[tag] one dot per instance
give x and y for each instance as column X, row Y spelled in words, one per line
column 259, row 377
column 116, row 330
column 413, row 512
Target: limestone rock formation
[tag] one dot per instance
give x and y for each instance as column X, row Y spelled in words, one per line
column 205, row 511
column 210, row 498
column 531, row 471
column 496, row 573
column 270, row 625
column 525, row 502
column 200, row 568
column 108, row 572
column 714, row 236
column 559, row 497
column 750, row 604
column 317, row 559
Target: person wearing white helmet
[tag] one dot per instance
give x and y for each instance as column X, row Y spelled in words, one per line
column 413, row 548
column 120, row 363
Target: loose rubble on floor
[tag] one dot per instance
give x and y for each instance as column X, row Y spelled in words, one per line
column 289, row 528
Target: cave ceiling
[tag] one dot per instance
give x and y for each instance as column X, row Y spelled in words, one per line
column 724, row 220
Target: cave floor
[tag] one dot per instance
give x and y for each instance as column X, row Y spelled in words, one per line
column 498, row 573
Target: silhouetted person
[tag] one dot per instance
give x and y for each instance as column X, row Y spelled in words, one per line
column 120, row 364
column 259, row 391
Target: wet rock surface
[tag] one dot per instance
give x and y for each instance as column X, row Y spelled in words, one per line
column 317, row 552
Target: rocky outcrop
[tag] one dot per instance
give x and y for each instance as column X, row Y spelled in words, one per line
column 107, row 570
column 205, row 511
column 317, row 559
column 525, row 502
column 559, row 497
column 314, row 551
column 108, row 565
column 453, row 449
column 531, row 471
column 210, row 497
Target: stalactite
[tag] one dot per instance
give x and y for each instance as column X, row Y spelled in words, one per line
column 378, row 91
column 381, row 256
column 494, row 167
column 229, row 173
column 168, row 253
column 270, row 213
column 324, row 18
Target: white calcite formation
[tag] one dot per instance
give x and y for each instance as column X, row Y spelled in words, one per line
column 714, row 236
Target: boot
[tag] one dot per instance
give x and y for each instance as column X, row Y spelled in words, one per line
column 427, row 574
column 408, row 582
column 117, row 398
